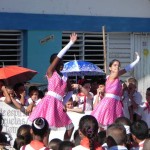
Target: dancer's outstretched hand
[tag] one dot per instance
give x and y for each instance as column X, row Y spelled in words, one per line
column 137, row 55
column 73, row 37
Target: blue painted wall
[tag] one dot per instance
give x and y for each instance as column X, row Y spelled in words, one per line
column 38, row 26
column 37, row 54
column 20, row 21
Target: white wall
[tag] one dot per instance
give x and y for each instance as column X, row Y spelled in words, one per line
column 121, row 8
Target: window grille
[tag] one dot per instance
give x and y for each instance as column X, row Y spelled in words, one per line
column 119, row 47
column 10, row 47
column 88, row 47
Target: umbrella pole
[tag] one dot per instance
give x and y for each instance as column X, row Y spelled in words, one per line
column 76, row 79
column 104, row 47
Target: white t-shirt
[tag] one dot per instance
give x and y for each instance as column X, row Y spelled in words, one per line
column 143, row 112
column 36, row 102
column 89, row 102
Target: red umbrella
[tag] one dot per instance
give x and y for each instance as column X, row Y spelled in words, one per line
column 15, row 74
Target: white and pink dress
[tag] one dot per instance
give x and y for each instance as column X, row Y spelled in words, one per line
column 51, row 106
column 110, row 107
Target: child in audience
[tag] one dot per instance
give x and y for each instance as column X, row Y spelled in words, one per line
column 100, row 92
column 54, row 144
column 84, row 97
column 135, row 98
column 126, row 123
column 20, row 93
column 88, row 131
column 116, row 137
column 70, row 106
column 9, row 95
column 33, row 99
column 6, row 91
column 33, row 95
column 139, row 131
column 13, row 98
column 40, row 132
column 144, row 109
column 23, row 136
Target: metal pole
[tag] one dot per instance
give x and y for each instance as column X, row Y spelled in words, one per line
column 104, row 47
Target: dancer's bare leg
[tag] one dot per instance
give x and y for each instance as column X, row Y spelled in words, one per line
column 68, row 134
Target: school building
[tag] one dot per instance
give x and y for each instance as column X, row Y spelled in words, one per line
column 30, row 31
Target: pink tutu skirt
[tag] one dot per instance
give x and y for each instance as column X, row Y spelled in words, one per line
column 52, row 110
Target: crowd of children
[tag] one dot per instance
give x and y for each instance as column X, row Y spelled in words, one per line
column 115, row 107
column 120, row 135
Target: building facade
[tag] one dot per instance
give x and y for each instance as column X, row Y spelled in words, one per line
column 31, row 31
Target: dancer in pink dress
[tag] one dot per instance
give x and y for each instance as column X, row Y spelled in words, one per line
column 51, row 106
column 110, row 107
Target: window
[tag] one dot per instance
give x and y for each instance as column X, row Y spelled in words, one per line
column 88, row 47
column 10, row 47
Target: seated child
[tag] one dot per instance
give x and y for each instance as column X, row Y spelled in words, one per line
column 84, row 97
column 13, row 97
column 70, row 107
column 9, row 95
column 100, row 92
column 6, row 92
column 20, row 93
column 33, row 99
column 33, row 95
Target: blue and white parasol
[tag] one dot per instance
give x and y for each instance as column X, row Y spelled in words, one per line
column 81, row 68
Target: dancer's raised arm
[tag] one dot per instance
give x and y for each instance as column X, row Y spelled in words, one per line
column 54, row 63
column 130, row 66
